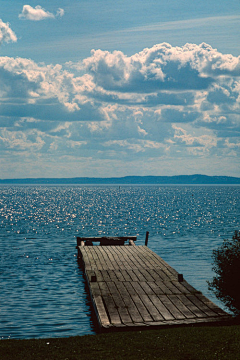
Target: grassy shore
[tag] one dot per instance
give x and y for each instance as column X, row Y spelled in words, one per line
column 188, row 343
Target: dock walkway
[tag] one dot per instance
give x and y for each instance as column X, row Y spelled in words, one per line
column 131, row 286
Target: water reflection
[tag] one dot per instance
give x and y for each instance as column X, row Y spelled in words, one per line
column 43, row 293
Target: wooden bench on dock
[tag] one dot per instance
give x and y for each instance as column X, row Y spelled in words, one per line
column 131, row 286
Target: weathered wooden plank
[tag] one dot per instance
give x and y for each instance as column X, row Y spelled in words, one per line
column 182, row 288
column 126, row 263
column 139, row 275
column 181, row 307
column 123, row 260
column 101, row 311
column 132, row 309
column 170, row 285
column 104, row 258
column 119, row 275
column 91, row 275
column 136, row 258
column 156, row 289
column 152, row 307
column 109, row 304
column 158, row 261
column 155, row 274
column 171, row 307
column 96, row 261
column 132, row 286
column 125, row 255
column 137, row 287
column 105, row 275
column 112, row 275
column 99, row 275
column 146, row 257
column 126, row 276
column 146, row 288
column 104, row 288
column 98, row 304
column 112, row 310
column 95, row 290
column 187, row 321
column 164, row 287
column 145, row 299
column 114, row 256
column 120, row 305
column 162, row 308
column 191, row 306
column 210, row 304
column 132, row 275
column 138, row 302
column 146, row 274
column 150, row 260
column 201, row 305
column 87, row 262
column 92, row 258
column 189, row 287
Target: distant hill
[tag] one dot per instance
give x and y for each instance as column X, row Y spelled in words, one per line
column 174, row 180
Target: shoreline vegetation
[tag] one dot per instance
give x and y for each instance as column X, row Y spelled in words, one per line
column 196, row 179
column 188, row 343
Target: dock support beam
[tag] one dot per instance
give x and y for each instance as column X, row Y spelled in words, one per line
column 180, row 277
column 146, row 239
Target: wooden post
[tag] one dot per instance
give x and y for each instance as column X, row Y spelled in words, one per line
column 180, row 277
column 93, row 278
column 132, row 243
column 146, row 239
column 78, row 241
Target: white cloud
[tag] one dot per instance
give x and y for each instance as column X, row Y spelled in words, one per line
column 60, row 12
column 162, row 67
column 207, row 141
column 135, row 146
column 162, row 102
column 38, row 13
column 6, row 33
column 46, row 91
column 18, row 140
column 184, row 24
column 232, row 144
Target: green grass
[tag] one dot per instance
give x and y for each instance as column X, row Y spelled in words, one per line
column 185, row 343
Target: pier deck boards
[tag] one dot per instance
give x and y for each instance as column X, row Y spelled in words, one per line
column 131, row 286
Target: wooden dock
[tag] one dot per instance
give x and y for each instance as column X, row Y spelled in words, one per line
column 131, row 286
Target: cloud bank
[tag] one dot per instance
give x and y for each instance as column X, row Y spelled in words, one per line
column 38, row 13
column 165, row 107
column 6, row 33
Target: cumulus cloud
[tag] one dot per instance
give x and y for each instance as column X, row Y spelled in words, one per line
column 19, row 140
column 163, row 102
column 43, row 91
column 6, row 33
column 162, row 67
column 190, row 140
column 38, row 13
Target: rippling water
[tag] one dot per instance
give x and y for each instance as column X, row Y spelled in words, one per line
column 42, row 289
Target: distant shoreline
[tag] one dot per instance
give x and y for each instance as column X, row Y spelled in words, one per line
column 129, row 180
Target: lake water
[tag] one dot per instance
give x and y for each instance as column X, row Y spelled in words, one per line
column 42, row 290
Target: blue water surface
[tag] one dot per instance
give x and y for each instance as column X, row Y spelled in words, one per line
column 43, row 293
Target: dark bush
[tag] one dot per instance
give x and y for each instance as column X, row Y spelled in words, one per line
column 226, row 265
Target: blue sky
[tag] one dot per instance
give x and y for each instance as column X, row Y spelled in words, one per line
column 106, row 88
